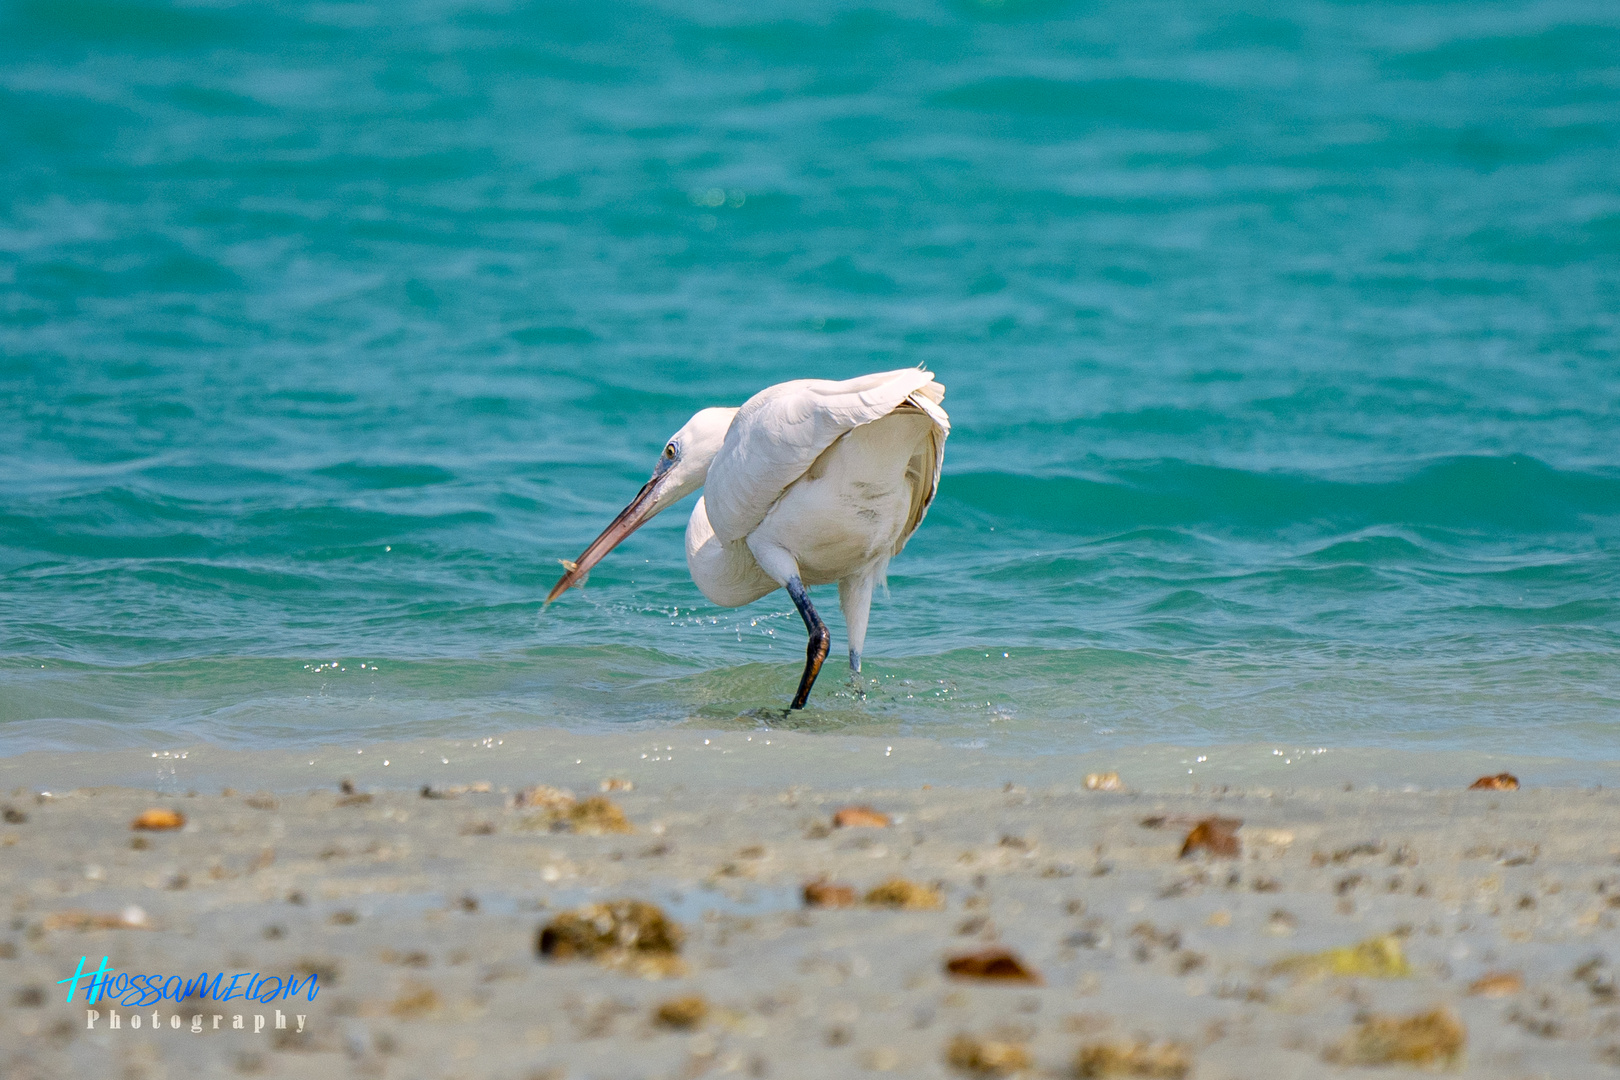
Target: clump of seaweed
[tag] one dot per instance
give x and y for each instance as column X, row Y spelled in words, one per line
column 906, row 895
column 1149, row 1061
column 543, row 797
column 560, row 811
column 619, row 933
column 1435, row 1037
column 594, row 816
column 1376, row 958
column 416, row 1000
column 987, row 1057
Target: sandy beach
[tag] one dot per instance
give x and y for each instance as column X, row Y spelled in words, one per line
column 1487, row 915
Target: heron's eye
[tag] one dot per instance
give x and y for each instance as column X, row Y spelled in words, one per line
column 669, row 452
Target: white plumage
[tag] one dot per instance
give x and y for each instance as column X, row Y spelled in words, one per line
column 808, row 483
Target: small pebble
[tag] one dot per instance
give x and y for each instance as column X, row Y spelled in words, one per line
column 827, row 894
column 996, row 965
column 159, row 820
column 860, row 817
column 1497, row 984
column 682, row 1013
column 1216, row 835
column 1161, row 1061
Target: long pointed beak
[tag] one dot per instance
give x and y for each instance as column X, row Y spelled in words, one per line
column 631, row 518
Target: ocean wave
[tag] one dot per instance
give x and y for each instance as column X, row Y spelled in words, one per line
column 1514, row 495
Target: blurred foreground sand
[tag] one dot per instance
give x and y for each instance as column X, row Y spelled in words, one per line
column 421, row 914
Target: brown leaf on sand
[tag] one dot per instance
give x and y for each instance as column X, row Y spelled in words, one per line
column 157, row 820
column 620, row 933
column 1216, row 835
column 130, row 918
column 1435, row 1037
column 1104, row 781
column 1497, row 984
column 828, row 894
column 994, row 965
column 682, row 1013
column 1154, row 1061
column 1502, row 781
column 906, row 896
column 987, row 1057
column 860, row 817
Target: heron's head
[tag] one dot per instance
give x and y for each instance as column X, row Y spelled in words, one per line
column 682, row 467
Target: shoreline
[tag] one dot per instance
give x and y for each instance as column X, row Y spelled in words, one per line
column 421, row 915
column 775, row 757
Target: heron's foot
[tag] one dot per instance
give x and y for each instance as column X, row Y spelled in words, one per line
column 814, row 656
column 820, row 641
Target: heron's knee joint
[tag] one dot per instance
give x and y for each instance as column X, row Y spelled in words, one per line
column 820, row 642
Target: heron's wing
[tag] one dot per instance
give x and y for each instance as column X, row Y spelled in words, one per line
column 780, row 431
column 922, row 471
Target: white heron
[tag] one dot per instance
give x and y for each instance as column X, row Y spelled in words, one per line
column 810, row 482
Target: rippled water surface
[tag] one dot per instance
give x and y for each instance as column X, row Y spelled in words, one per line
column 1282, row 345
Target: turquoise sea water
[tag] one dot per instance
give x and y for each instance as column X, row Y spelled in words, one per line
column 1282, row 344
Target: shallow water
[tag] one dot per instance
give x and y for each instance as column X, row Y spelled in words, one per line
column 1280, row 345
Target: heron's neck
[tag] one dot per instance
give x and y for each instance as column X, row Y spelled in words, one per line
column 701, row 440
column 689, row 474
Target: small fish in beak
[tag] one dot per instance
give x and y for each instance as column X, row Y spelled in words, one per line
column 641, row 510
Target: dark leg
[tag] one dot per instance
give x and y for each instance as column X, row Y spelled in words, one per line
column 820, row 639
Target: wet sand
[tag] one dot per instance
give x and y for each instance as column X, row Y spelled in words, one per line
column 420, row 916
